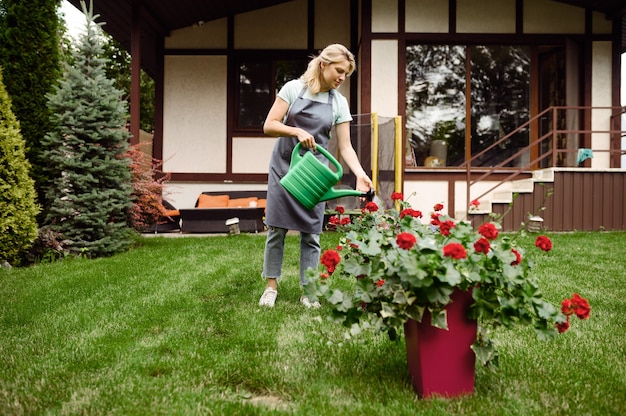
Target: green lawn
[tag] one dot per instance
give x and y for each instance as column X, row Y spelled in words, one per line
column 173, row 328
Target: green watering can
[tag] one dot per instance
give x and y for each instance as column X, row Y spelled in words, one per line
column 310, row 181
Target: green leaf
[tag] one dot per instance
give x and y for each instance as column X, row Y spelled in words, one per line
column 356, row 267
column 486, row 354
column 439, row 294
column 400, row 297
column 342, row 302
column 452, row 275
column 439, row 319
column 355, row 330
column 416, row 312
column 546, row 310
column 419, row 278
column 546, row 334
column 386, row 310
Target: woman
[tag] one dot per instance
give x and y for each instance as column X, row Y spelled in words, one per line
column 304, row 111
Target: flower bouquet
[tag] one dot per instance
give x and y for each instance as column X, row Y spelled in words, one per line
column 393, row 266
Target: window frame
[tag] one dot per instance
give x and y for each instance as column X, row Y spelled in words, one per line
column 273, row 60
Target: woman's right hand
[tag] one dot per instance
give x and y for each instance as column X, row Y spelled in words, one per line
column 305, row 138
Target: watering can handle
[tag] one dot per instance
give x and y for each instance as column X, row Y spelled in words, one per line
column 295, row 157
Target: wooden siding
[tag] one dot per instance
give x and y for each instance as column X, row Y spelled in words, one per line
column 575, row 201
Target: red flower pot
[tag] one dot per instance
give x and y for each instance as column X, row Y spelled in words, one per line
column 441, row 362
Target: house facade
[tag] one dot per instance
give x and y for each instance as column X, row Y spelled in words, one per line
column 480, row 85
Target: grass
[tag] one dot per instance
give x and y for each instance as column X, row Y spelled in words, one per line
column 173, row 328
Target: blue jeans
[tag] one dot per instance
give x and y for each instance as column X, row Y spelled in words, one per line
column 275, row 250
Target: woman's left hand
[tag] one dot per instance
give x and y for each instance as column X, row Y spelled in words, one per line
column 364, row 183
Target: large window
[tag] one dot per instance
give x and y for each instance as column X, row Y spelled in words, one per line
column 437, row 115
column 258, row 81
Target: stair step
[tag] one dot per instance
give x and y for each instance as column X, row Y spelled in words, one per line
column 502, row 197
column 503, row 194
column 543, row 175
column 523, row 185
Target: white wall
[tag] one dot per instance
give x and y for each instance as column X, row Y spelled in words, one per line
column 601, row 93
column 430, row 16
column 278, row 27
column 385, row 77
column 485, row 16
column 194, row 114
column 548, row 16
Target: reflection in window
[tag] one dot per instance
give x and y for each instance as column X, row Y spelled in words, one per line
column 500, row 103
column 257, row 85
column 436, row 108
column 435, row 101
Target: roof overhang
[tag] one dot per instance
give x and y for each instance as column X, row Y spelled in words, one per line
column 159, row 17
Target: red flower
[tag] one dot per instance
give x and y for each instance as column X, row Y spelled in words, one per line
column 482, row 245
column 370, row 207
column 397, row 196
column 455, row 250
column 474, row 203
column 411, row 212
column 576, row 305
column 334, row 220
column 563, row 326
column 445, row 227
column 339, row 209
column 345, row 221
column 488, row 230
column 567, row 307
column 543, row 243
column 581, row 306
column 438, row 207
column 380, row 282
column 405, row 240
column 324, row 275
column 434, row 219
column 330, row 259
column 518, row 258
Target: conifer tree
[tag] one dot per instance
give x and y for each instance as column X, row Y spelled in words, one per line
column 31, row 61
column 18, row 225
column 91, row 186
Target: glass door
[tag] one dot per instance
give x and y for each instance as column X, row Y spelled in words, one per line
column 436, row 111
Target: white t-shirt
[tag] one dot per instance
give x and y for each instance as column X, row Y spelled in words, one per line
column 291, row 90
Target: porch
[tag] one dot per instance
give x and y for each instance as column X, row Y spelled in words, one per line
column 558, row 184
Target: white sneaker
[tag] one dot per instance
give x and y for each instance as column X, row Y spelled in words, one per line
column 308, row 304
column 268, row 298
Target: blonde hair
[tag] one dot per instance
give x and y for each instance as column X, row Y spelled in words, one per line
column 331, row 54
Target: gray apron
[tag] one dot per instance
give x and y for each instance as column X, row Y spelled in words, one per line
column 283, row 210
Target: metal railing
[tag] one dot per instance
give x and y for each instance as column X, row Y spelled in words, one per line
column 551, row 151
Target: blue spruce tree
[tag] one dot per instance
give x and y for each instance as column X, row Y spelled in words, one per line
column 90, row 177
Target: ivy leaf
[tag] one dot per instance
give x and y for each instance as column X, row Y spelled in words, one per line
column 486, row 354
column 416, row 312
column 386, row 310
column 399, row 297
column 439, row 319
column 355, row 330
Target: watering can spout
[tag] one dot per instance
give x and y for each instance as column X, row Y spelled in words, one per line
column 340, row 193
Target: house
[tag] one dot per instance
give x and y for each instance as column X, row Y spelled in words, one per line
column 505, row 95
